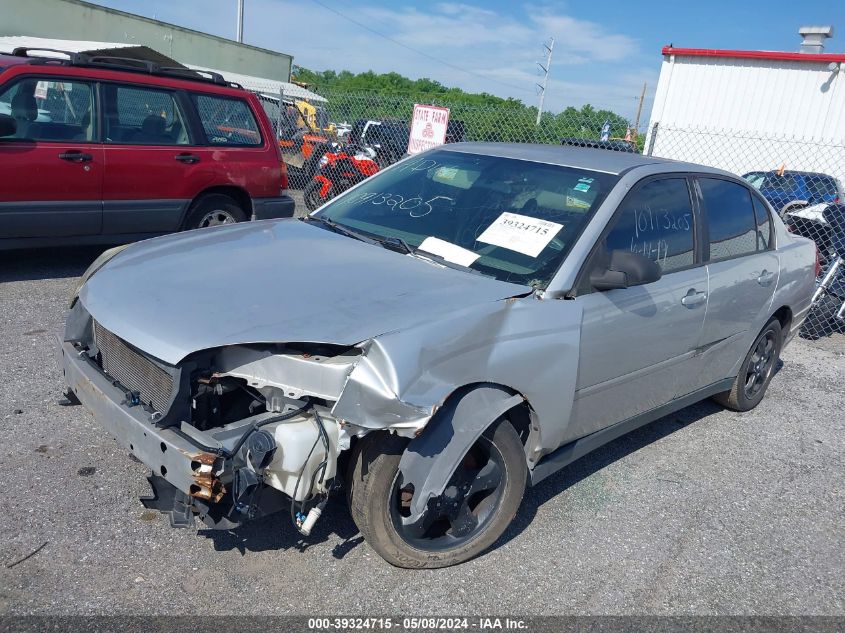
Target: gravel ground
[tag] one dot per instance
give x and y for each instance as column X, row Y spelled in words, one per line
column 702, row 512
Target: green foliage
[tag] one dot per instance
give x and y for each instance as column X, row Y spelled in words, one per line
column 487, row 117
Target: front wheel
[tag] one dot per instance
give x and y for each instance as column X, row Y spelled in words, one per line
column 756, row 370
column 311, row 195
column 479, row 502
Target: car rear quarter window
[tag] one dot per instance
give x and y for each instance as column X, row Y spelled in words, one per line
column 764, row 225
column 656, row 221
column 227, row 120
column 730, row 218
column 137, row 115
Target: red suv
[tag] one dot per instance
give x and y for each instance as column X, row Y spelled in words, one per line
column 108, row 150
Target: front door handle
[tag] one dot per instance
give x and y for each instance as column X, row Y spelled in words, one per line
column 187, row 158
column 75, row 156
column 765, row 278
column 694, row 298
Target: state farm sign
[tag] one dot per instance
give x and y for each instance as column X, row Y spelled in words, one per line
column 428, row 129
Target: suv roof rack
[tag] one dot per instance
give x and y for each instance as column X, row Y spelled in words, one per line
column 129, row 64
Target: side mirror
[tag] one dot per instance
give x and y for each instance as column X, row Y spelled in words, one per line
column 625, row 269
column 8, row 125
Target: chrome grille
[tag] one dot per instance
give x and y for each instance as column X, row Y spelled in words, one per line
column 133, row 370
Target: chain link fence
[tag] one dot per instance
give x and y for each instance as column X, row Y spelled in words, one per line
column 802, row 180
column 800, row 177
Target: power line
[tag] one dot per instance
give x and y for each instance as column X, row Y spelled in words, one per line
column 419, row 52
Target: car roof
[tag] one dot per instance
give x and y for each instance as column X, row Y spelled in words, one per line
column 793, row 172
column 54, row 66
column 11, row 60
column 577, row 157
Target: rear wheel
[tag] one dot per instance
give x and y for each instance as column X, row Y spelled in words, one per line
column 477, row 506
column 756, row 370
column 212, row 210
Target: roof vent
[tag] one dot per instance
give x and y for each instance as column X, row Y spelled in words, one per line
column 813, row 38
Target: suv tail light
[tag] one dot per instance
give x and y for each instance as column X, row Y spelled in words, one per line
column 284, row 184
column 818, row 262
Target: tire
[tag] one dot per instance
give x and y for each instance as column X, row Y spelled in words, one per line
column 213, row 209
column 821, row 321
column 311, row 194
column 756, row 370
column 376, row 499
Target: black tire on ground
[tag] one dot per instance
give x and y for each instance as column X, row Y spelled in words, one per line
column 756, row 370
column 213, row 209
column 376, row 499
column 311, row 195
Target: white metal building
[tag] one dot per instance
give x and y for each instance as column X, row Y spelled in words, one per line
column 752, row 110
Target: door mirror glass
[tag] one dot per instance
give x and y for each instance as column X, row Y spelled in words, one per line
column 624, row 269
column 8, row 125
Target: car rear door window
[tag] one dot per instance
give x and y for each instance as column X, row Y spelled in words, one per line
column 730, row 218
column 764, row 225
column 50, row 110
column 656, row 221
column 142, row 116
column 226, row 120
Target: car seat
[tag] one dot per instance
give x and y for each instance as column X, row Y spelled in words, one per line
column 24, row 111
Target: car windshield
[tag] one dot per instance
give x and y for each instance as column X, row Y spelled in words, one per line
column 511, row 219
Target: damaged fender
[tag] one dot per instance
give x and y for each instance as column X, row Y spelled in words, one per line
column 430, row 460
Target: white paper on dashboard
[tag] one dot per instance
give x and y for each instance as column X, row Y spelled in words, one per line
column 520, row 233
column 448, row 251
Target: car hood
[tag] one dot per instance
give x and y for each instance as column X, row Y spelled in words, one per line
column 271, row 281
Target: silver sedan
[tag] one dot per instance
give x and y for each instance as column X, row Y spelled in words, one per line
column 454, row 328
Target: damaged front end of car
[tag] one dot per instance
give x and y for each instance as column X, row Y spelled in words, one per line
column 238, row 432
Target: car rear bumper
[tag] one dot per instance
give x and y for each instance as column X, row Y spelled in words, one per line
column 273, row 208
column 169, row 454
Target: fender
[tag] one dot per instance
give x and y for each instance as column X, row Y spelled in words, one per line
column 431, row 459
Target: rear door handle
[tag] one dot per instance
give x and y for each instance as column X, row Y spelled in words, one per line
column 187, row 158
column 765, row 278
column 75, row 156
column 694, row 298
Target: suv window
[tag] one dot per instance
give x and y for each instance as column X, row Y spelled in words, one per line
column 656, row 221
column 50, row 110
column 227, row 121
column 730, row 218
column 142, row 116
column 764, row 225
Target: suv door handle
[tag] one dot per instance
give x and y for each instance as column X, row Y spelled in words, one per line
column 187, row 158
column 75, row 156
column 694, row 298
column 765, row 278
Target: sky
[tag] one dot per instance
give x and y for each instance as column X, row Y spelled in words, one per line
column 604, row 51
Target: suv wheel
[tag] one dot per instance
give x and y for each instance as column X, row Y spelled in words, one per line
column 212, row 210
column 756, row 370
column 478, row 505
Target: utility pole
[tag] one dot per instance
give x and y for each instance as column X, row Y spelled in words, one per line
column 549, row 48
column 240, row 21
column 639, row 112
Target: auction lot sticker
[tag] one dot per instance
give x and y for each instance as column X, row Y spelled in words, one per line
column 520, row 233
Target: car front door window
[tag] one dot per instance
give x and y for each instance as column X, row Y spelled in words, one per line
column 46, row 110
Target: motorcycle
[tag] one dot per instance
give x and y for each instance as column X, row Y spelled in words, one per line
column 827, row 314
column 337, row 171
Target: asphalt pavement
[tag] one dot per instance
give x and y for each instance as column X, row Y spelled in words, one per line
column 702, row 512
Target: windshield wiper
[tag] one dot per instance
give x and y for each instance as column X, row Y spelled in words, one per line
column 339, row 228
column 396, row 243
column 442, row 261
